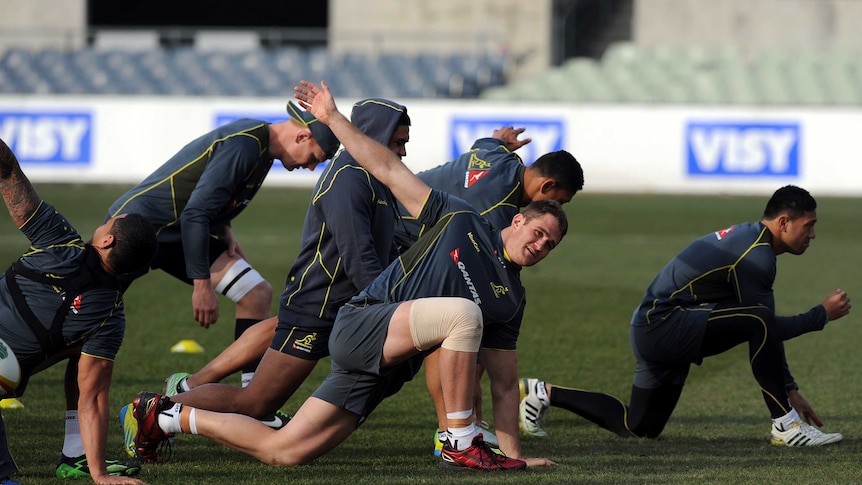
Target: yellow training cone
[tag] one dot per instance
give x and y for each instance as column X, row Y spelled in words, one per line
column 11, row 403
column 187, row 346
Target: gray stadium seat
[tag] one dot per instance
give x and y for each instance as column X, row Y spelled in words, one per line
column 226, row 40
column 126, row 40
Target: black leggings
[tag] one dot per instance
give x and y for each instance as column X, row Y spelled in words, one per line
column 650, row 409
column 728, row 327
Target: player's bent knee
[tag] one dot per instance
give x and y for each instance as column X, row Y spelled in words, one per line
column 455, row 323
column 285, row 456
column 239, row 280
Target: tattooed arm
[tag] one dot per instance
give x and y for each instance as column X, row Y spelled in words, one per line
column 18, row 193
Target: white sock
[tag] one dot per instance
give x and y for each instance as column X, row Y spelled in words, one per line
column 786, row 421
column 542, row 393
column 73, row 445
column 169, row 419
column 246, row 378
column 462, row 438
column 184, row 384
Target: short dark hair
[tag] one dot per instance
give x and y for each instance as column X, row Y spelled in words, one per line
column 134, row 246
column 791, row 200
column 542, row 207
column 563, row 167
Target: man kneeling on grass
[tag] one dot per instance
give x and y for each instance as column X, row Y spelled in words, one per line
column 711, row 297
column 456, row 288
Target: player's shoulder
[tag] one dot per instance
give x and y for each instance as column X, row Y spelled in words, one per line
column 737, row 232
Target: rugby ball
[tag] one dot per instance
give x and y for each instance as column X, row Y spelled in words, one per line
column 10, row 371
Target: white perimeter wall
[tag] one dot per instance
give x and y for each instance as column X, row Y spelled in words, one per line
column 623, row 148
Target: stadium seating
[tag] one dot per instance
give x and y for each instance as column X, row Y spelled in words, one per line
column 627, row 73
column 136, row 65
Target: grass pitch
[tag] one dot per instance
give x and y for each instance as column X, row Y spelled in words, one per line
column 575, row 334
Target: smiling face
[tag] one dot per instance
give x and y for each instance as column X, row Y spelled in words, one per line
column 528, row 241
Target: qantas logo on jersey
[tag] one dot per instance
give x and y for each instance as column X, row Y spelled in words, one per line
column 723, row 233
column 476, row 169
column 456, row 257
column 76, row 304
column 473, row 176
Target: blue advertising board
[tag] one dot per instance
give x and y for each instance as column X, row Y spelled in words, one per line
column 743, row 149
column 548, row 134
column 46, row 137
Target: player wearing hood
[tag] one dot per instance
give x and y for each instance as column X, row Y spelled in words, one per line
column 347, row 240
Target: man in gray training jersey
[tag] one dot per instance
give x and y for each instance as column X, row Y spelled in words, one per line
column 711, row 297
column 192, row 199
column 63, row 300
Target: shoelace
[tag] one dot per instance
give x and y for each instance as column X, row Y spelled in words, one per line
column 491, row 456
column 160, row 452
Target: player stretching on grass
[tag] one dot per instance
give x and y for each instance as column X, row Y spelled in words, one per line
column 502, row 185
column 461, row 277
column 62, row 300
column 193, row 197
column 492, row 178
column 347, row 240
column 713, row 296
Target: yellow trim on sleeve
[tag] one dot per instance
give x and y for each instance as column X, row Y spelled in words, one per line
column 31, row 215
column 97, row 357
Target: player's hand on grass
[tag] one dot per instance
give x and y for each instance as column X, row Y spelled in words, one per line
column 538, row 462
column 837, row 304
column 805, row 411
column 111, row 480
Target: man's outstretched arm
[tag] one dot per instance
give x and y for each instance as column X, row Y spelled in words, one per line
column 384, row 165
column 18, row 193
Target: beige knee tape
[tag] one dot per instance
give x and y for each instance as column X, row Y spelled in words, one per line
column 456, row 322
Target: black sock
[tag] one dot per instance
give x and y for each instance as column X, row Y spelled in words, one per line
column 243, row 324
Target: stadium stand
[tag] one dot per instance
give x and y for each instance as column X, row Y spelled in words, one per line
column 630, row 74
column 133, row 64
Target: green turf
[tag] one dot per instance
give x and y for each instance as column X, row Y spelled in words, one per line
column 575, row 333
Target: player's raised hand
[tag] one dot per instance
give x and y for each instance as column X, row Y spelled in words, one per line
column 317, row 100
column 509, row 136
